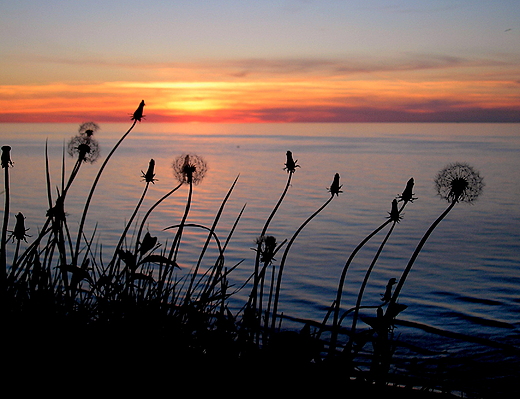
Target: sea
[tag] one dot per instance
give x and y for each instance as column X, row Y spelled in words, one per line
column 463, row 292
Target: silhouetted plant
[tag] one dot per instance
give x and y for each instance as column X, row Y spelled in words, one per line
column 6, row 163
column 457, row 182
column 334, row 190
column 188, row 169
column 406, row 196
column 140, row 283
column 252, row 305
column 138, row 114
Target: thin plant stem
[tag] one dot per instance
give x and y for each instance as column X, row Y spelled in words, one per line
column 399, row 286
column 3, row 249
column 91, row 193
column 253, row 296
column 145, row 218
column 339, row 293
column 284, row 258
column 365, row 281
column 130, row 221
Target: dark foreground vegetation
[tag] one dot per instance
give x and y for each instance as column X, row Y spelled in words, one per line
column 129, row 321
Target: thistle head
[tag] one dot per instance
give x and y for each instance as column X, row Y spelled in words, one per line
column 189, row 169
column 407, row 195
column 290, row 165
column 84, row 145
column 138, row 113
column 6, row 156
column 149, row 175
column 459, row 182
column 335, row 187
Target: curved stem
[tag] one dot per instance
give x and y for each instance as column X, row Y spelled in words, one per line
column 284, row 257
column 127, row 227
column 406, row 271
column 253, row 295
column 91, row 193
column 339, row 293
column 145, row 218
column 365, row 281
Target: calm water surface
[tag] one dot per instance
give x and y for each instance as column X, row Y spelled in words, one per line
column 466, row 279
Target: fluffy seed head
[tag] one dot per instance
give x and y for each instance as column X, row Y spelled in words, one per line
column 459, row 182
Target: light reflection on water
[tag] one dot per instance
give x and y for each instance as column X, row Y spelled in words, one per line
column 467, row 278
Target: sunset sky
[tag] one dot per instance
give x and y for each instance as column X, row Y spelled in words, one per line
column 260, row 61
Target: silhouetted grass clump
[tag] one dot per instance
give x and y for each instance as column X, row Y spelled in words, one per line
column 57, row 282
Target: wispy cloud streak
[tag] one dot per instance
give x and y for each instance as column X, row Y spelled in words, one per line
column 411, row 88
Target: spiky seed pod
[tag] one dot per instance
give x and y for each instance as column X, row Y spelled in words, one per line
column 335, row 187
column 394, row 212
column 19, row 232
column 290, row 164
column 149, row 175
column 407, row 195
column 138, row 113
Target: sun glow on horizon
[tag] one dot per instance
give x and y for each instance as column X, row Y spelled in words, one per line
column 326, row 98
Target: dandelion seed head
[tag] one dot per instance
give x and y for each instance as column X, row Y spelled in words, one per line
column 84, row 145
column 189, row 168
column 459, row 182
column 88, row 129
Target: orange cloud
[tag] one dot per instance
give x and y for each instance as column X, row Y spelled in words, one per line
column 325, row 98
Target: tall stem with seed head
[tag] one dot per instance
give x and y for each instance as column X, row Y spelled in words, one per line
column 334, row 191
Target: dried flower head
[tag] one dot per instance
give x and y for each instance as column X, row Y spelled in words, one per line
column 84, row 144
column 149, row 175
column 267, row 248
column 6, row 156
column 407, row 195
column 290, row 165
column 459, row 182
column 189, row 168
column 19, row 232
column 394, row 212
column 335, row 187
column 88, row 128
column 138, row 113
